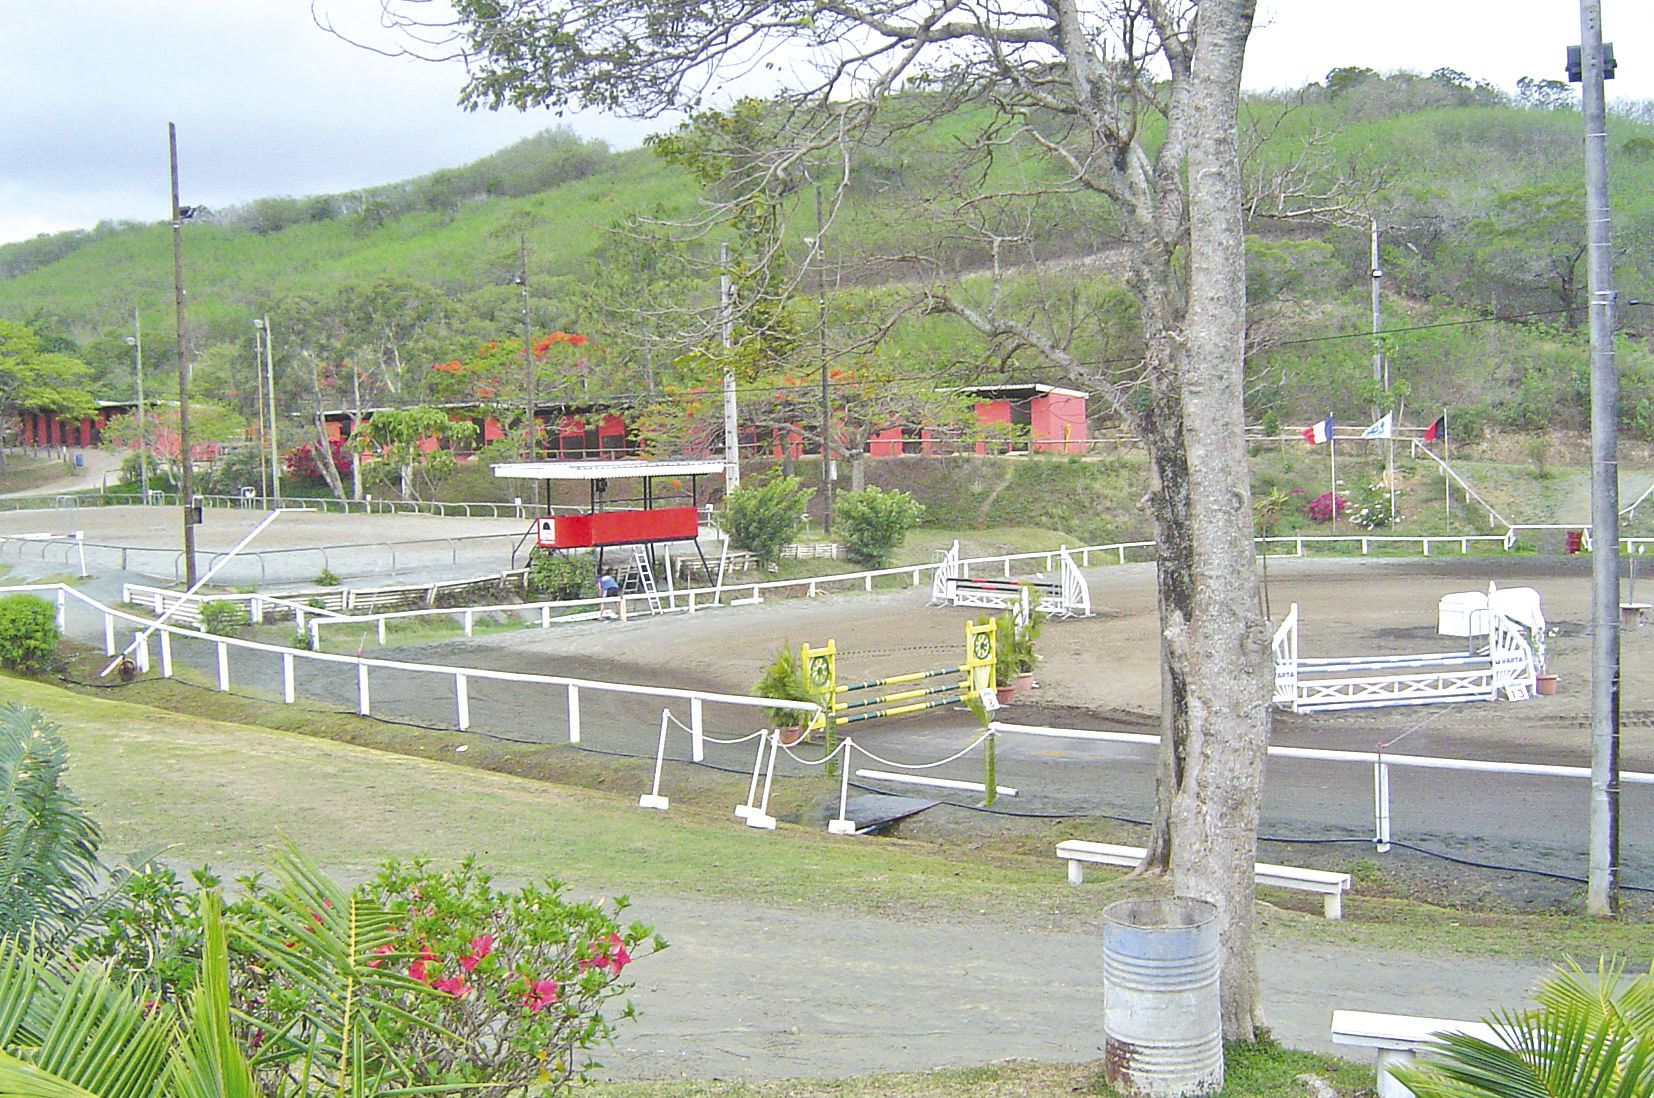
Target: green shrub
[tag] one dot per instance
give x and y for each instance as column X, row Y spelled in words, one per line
column 874, row 522
column 765, row 516
column 223, row 617
column 784, row 681
column 327, row 578
column 559, row 576
column 28, row 633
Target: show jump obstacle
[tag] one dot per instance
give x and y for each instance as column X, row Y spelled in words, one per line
column 857, row 701
column 1068, row 597
column 1309, row 685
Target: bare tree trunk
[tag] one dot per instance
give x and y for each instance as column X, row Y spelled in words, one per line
column 324, row 445
column 1215, row 810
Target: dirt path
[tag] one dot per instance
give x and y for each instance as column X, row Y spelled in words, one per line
column 837, row 995
column 96, row 465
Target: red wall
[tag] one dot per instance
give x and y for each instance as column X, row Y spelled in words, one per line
column 1059, row 423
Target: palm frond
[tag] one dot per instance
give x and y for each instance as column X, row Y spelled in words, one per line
column 49, row 867
column 210, row 1062
column 23, row 1080
column 327, row 944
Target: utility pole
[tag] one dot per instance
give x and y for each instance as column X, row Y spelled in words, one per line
column 821, row 347
column 1590, row 67
column 258, row 392
column 270, row 379
column 186, row 480
column 137, row 341
column 528, row 352
column 726, row 321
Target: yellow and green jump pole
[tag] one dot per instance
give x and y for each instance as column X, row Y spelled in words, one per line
column 969, row 679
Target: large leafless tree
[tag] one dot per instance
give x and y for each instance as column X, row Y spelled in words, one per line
column 1131, row 103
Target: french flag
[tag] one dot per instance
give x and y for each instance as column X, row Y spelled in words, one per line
column 1317, row 433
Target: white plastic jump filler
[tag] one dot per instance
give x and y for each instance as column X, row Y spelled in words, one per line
column 1507, row 663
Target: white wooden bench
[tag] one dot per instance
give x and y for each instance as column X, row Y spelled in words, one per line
column 1397, row 1039
column 1332, row 886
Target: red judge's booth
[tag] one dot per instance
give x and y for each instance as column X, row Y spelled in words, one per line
column 642, row 504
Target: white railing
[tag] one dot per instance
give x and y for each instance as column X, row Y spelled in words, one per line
column 1367, row 541
column 1380, row 761
column 461, row 677
column 1493, row 516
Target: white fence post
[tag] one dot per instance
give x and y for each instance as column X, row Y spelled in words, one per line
column 545, row 617
column 574, row 713
column 80, row 545
column 1381, row 806
column 759, row 815
column 462, row 701
column 287, row 677
column 109, row 634
column 843, row 826
column 141, row 646
column 166, row 654
column 381, row 631
column 697, row 731
column 223, row 667
column 653, row 799
column 61, row 612
column 470, row 621
column 362, row 689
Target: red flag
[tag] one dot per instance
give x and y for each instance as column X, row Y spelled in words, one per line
column 1436, row 430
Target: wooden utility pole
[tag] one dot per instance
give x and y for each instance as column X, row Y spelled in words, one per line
column 186, row 480
column 528, row 351
column 1602, row 877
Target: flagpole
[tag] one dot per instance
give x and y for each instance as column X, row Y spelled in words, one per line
column 1401, row 413
column 1332, row 465
column 1447, row 484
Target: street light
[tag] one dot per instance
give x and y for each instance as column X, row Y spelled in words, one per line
column 263, row 325
column 136, row 342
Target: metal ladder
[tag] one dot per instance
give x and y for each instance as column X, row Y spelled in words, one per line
column 645, row 577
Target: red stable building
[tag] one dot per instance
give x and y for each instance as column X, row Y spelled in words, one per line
column 46, row 429
column 1052, row 420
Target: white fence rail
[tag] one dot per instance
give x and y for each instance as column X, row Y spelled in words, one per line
column 1380, row 761
column 291, row 658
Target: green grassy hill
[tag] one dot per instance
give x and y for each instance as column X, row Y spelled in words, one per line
column 1479, row 199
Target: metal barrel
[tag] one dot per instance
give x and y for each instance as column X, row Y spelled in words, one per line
column 1162, row 1023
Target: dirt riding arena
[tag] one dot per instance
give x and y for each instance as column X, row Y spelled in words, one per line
column 1099, row 673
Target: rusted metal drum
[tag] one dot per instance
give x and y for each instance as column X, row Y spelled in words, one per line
column 1162, row 1024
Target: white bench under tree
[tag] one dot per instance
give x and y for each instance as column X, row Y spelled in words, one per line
column 1331, row 886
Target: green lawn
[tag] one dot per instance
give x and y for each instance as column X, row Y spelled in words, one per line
column 221, row 777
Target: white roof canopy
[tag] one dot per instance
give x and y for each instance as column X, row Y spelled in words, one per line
column 606, row 470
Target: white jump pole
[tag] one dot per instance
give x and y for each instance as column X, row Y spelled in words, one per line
column 1381, row 806
column 742, row 811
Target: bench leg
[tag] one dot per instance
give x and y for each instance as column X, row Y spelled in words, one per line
column 1076, row 872
column 1334, row 905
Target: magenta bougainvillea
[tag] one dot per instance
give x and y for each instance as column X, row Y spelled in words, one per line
column 1320, row 509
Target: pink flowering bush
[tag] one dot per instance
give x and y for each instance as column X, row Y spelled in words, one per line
column 513, row 989
column 1320, row 509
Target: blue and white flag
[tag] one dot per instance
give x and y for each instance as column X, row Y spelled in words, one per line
column 1381, row 429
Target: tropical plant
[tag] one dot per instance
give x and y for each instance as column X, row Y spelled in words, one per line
column 1590, row 1037
column 873, row 523
column 49, row 867
column 28, row 633
column 764, row 516
column 784, row 680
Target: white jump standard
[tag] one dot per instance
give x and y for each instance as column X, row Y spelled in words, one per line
column 1067, row 597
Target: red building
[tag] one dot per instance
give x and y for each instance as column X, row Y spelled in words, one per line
column 1048, row 419
column 573, row 433
column 46, row 429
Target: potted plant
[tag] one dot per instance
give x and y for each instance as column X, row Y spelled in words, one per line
column 1023, row 640
column 1005, row 658
column 784, row 681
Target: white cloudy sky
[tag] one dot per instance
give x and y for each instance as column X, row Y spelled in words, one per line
column 267, row 104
